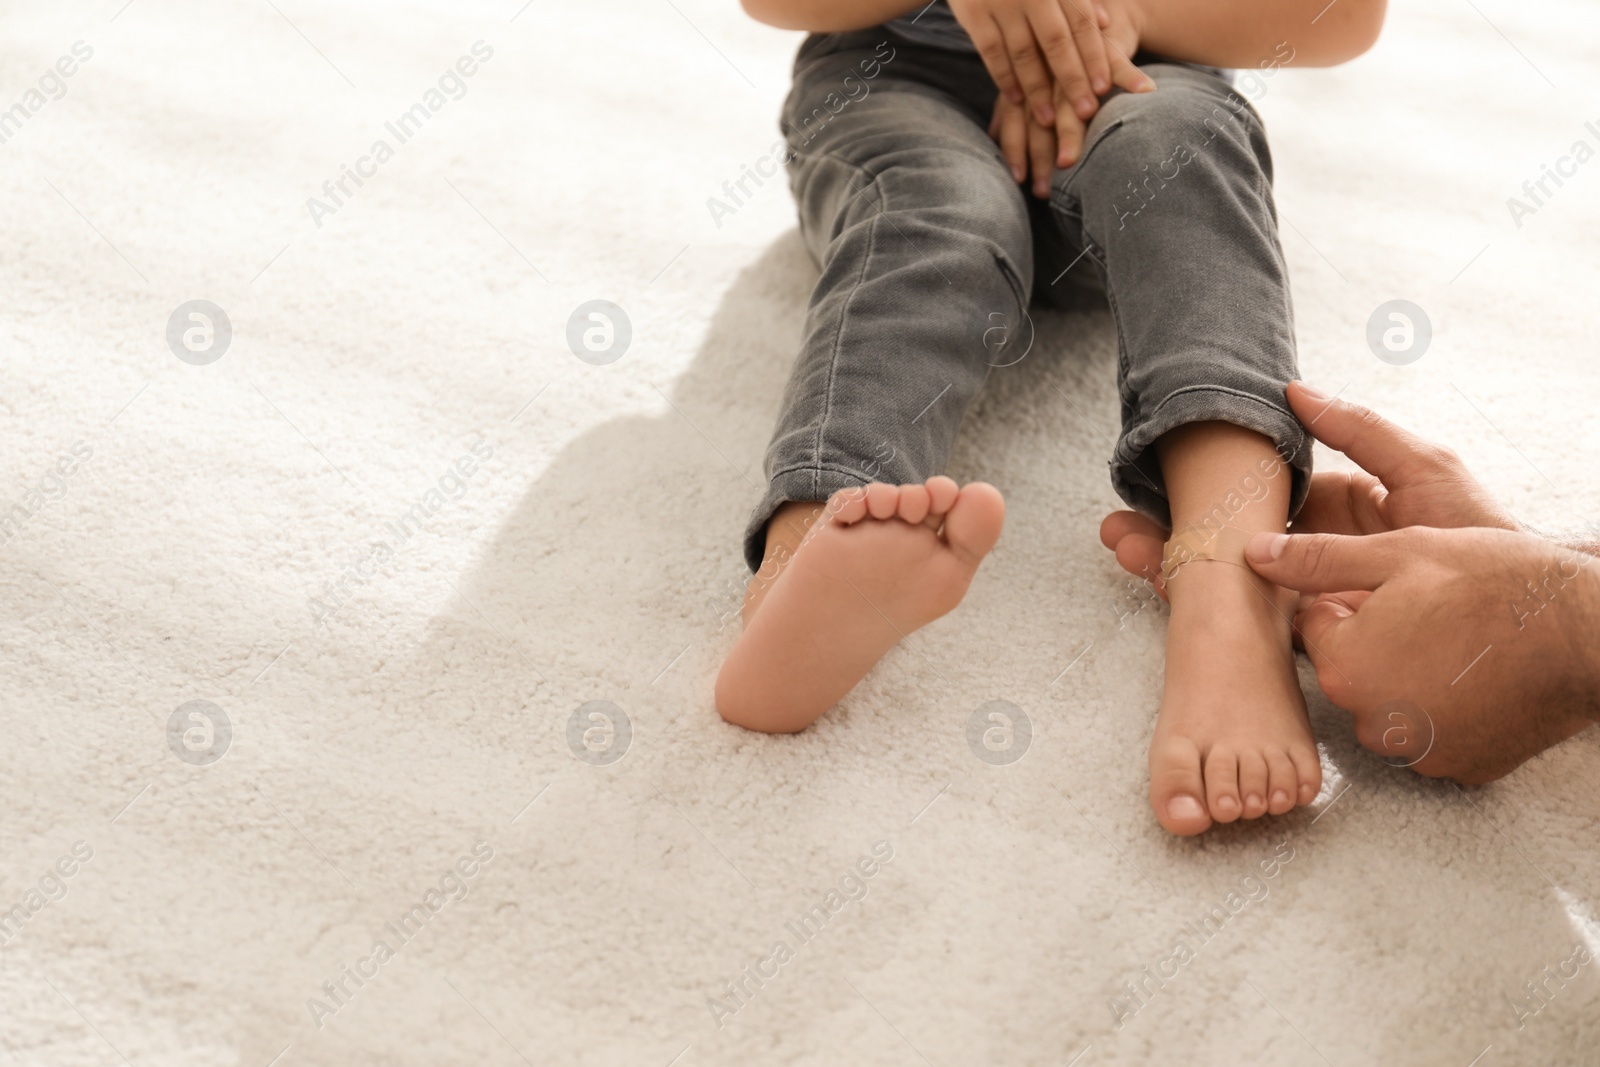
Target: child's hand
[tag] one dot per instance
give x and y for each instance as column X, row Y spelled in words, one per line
column 1121, row 26
column 1031, row 147
column 1028, row 148
column 1077, row 63
column 1122, row 41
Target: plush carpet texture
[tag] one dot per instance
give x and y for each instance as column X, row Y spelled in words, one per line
column 427, row 573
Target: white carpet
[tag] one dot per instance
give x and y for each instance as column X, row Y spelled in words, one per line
column 587, row 558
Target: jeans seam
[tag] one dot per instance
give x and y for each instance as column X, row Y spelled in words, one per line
column 1107, row 132
column 1122, row 341
column 1015, row 285
column 838, row 339
column 1111, row 297
column 816, row 470
column 1221, row 389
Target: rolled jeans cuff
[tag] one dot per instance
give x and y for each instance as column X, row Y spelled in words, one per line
column 811, row 483
column 1136, row 472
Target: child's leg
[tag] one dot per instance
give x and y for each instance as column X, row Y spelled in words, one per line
column 1233, row 738
column 879, row 563
column 1172, row 203
column 924, row 244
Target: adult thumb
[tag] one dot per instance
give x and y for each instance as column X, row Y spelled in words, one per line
column 1324, row 563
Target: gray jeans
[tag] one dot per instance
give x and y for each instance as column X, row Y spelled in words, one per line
column 929, row 253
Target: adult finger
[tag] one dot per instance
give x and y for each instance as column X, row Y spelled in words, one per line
column 1140, row 555
column 991, row 46
column 1028, row 66
column 1323, row 630
column 1329, row 563
column 1395, row 455
column 1307, row 601
column 1119, row 524
column 1342, row 502
column 1091, row 44
column 1340, row 604
column 1138, row 543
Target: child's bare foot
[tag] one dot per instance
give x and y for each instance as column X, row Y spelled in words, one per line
column 1233, row 739
column 879, row 563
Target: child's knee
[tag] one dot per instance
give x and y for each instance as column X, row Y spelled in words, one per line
column 1195, row 118
column 1183, row 142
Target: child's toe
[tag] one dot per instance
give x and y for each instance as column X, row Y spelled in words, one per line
column 1308, row 771
column 848, row 506
column 1282, row 782
column 1222, row 784
column 1253, row 784
column 883, row 500
column 941, row 496
column 1176, row 788
column 914, row 503
column 973, row 525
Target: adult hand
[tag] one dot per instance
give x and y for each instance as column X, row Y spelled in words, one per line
column 1404, row 481
column 1465, row 652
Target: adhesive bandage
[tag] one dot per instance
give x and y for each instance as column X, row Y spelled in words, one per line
column 1222, row 544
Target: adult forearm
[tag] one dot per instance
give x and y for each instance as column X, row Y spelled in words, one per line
column 828, row 16
column 1249, row 33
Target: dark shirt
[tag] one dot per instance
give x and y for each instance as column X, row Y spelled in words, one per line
column 935, row 26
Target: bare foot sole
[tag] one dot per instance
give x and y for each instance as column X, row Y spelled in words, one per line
column 1233, row 740
column 881, row 562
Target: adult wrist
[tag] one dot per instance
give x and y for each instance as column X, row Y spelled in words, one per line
column 1583, row 638
column 1586, row 541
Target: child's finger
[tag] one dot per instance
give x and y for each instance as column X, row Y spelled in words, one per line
column 1049, row 26
column 1102, row 16
column 1091, row 44
column 1028, row 66
column 1041, row 157
column 991, row 46
column 1069, row 137
column 1128, row 76
column 1013, row 140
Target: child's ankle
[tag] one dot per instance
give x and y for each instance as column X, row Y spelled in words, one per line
column 1218, row 589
